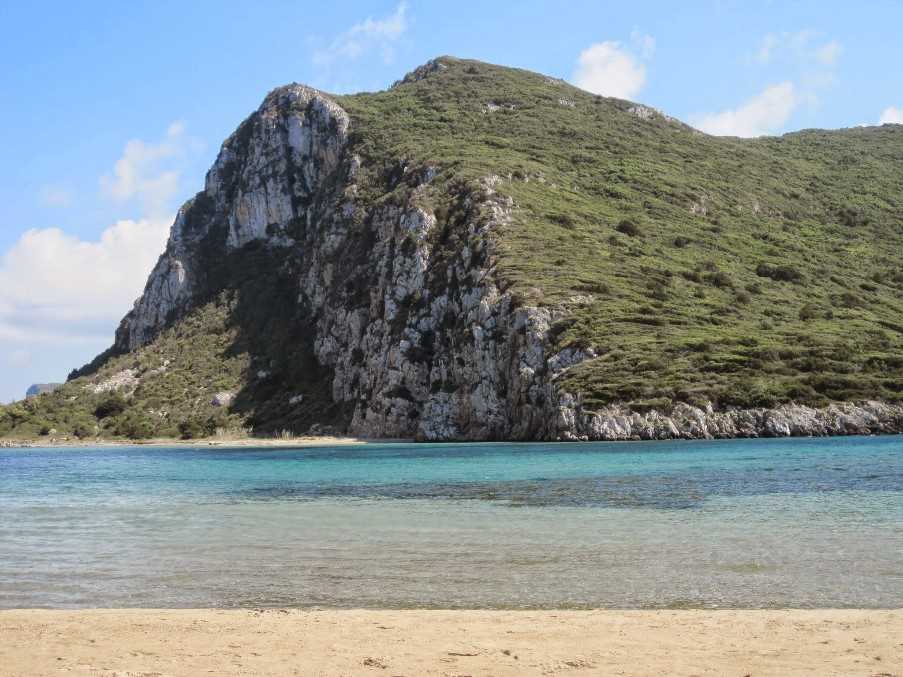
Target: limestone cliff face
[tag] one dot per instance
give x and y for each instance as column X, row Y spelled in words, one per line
column 420, row 339
column 267, row 176
column 421, row 344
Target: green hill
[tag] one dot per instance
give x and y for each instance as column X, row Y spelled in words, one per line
column 715, row 271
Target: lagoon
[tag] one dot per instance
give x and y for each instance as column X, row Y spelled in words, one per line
column 809, row 523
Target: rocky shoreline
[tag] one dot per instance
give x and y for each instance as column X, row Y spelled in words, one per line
column 688, row 422
column 617, row 424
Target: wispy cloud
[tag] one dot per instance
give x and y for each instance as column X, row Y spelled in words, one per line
column 829, row 53
column 643, row 43
column 807, row 60
column 799, row 46
column 56, row 196
column 764, row 113
column 368, row 36
column 611, row 69
column 150, row 172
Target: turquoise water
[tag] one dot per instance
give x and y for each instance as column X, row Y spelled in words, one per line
column 741, row 523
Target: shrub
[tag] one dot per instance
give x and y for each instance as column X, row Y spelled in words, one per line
column 195, row 428
column 779, row 273
column 629, row 228
column 808, row 312
column 853, row 217
column 111, row 405
column 563, row 220
column 719, row 279
column 657, row 291
column 135, row 426
column 82, row 431
column 849, row 300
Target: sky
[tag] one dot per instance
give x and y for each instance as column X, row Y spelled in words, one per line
column 110, row 113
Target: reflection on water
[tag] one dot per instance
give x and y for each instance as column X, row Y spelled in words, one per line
column 770, row 523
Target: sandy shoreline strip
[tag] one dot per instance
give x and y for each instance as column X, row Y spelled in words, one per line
column 132, row 643
column 224, row 442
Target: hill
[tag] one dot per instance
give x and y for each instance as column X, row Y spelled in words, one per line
column 41, row 388
column 481, row 252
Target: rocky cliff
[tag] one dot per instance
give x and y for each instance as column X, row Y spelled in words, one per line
column 420, row 339
column 482, row 254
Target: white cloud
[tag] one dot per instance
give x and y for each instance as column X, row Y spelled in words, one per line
column 370, row 34
column 644, row 43
column 56, row 196
column 608, row 69
column 801, row 47
column 763, row 114
column 766, row 50
column 891, row 116
column 56, row 285
column 828, row 53
column 149, row 172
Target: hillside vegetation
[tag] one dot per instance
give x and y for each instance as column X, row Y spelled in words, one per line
column 740, row 272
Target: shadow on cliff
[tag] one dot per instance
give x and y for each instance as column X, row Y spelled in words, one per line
column 285, row 388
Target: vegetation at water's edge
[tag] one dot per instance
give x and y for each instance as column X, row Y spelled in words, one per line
column 742, row 272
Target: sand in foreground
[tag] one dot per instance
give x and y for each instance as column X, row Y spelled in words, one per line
column 414, row 643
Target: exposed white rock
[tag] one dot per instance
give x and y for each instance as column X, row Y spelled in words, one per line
column 223, row 399
column 125, row 380
column 568, row 358
column 643, row 112
column 492, row 106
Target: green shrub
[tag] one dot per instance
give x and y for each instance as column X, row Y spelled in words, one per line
column 719, row 279
column 629, row 228
column 201, row 427
column 808, row 312
column 134, row 425
column 779, row 273
column 111, row 405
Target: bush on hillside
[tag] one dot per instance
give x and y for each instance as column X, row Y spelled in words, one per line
column 629, row 228
column 779, row 273
column 111, row 405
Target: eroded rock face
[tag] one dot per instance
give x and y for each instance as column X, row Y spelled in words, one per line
column 405, row 310
column 688, row 422
column 265, row 179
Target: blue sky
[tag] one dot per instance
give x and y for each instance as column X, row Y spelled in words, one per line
column 111, row 112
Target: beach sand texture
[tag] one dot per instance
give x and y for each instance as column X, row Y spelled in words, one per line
column 132, row 643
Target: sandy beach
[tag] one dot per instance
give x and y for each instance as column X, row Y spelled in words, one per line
column 226, row 442
column 129, row 643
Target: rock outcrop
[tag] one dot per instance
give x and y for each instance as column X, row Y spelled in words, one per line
column 41, row 389
column 403, row 306
column 688, row 422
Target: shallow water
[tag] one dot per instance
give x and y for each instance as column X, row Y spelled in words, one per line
column 741, row 523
